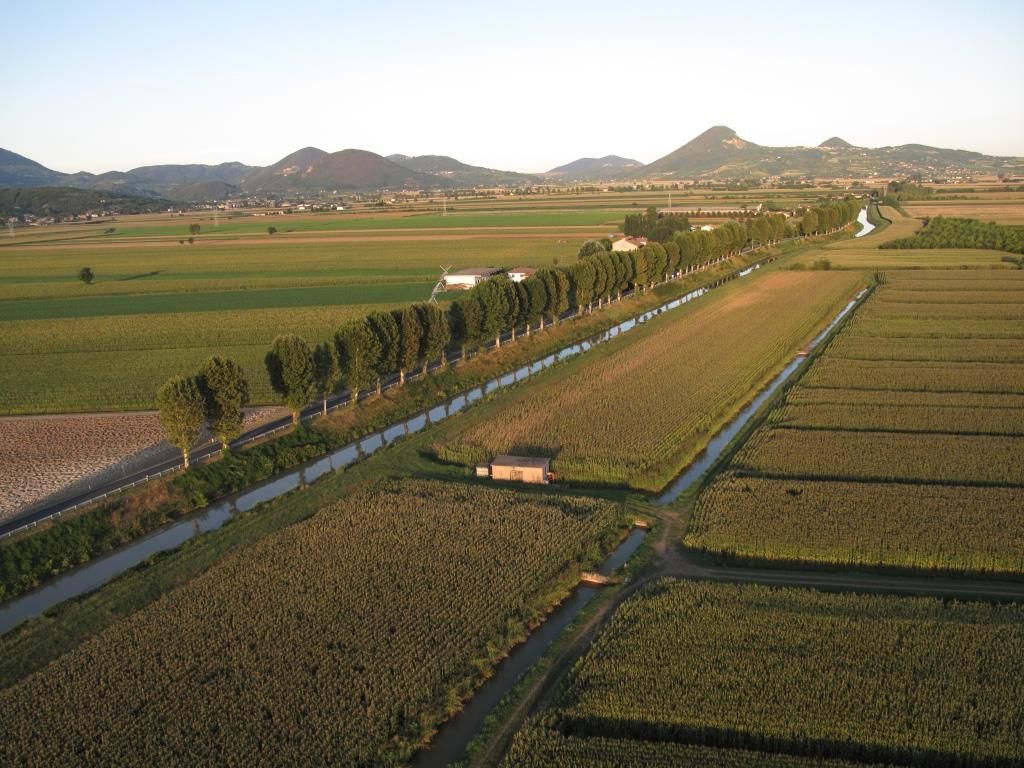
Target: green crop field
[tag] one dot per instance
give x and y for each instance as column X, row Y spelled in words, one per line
column 877, row 679
column 638, row 409
column 161, row 310
column 285, row 224
column 899, row 446
column 341, row 640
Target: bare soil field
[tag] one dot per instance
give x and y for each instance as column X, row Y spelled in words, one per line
column 51, row 456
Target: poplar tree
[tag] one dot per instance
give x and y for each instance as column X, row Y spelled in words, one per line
column 326, row 371
column 384, row 328
column 355, row 345
column 436, row 333
column 225, row 394
column 180, row 404
column 465, row 317
column 290, row 366
column 410, row 339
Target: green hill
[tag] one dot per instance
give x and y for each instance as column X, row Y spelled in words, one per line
column 68, row 201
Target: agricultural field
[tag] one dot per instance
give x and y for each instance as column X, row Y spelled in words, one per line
column 898, row 447
column 344, row 639
column 864, row 254
column 637, row 409
column 870, row 679
column 1000, row 211
column 66, row 346
column 96, row 448
column 538, row 747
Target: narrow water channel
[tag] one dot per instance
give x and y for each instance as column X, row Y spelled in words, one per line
column 866, row 226
column 453, row 737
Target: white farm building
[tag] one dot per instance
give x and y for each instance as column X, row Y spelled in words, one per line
column 465, row 279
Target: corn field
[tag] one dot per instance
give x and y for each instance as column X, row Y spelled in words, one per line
column 342, row 640
column 640, row 408
column 910, row 681
column 909, row 456
column 538, row 747
column 940, row 527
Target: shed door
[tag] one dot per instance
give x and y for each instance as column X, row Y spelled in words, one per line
column 516, row 474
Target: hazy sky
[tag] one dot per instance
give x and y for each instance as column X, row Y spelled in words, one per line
column 520, row 85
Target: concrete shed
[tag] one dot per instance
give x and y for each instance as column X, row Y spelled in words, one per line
column 522, row 469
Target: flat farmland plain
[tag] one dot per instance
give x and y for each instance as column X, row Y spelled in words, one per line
column 864, row 254
column 869, row 679
column 885, row 456
column 637, row 409
column 158, row 311
column 1000, row 211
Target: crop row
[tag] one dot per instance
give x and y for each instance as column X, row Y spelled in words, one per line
column 897, row 399
column 991, row 310
column 906, row 418
column 923, row 376
column 953, row 528
column 928, row 327
column 884, row 456
column 956, row 282
column 538, row 747
column 341, row 640
column 927, row 297
column 914, row 681
column 636, row 412
column 863, row 347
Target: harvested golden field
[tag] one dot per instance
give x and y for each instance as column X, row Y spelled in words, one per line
column 637, row 409
column 864, row 253
column 1008, row 212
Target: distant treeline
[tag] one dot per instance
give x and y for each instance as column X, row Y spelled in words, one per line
column 899, row 192
column 942, row 232
column 365, row 352
column 68, row 201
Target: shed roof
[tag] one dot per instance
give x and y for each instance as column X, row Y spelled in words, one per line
column 533, row 462
column 523, row 270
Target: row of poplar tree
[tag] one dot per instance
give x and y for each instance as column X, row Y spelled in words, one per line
column 364, row 352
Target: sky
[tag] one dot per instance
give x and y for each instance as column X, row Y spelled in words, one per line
column 522, row 86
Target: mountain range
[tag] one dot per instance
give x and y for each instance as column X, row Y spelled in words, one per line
column 594, row 168
column 718, row 153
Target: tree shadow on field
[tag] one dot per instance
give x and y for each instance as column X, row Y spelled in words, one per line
column 139, row 277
